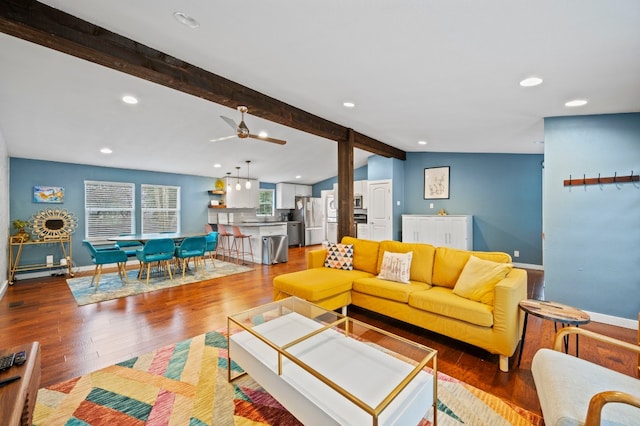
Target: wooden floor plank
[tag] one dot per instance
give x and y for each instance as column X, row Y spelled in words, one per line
column 78, row 339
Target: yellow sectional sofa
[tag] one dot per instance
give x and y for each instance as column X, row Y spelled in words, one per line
column 436, row 297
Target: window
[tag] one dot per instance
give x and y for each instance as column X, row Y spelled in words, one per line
column 265, row 202
column 160, row 208
column 109, row 209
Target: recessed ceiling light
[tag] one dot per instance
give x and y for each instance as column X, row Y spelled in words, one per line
column 422, row 142
column 128, row 99
column 298, row 177
column 539, row 142
column 185, row 19
column 531, row 81
column 217, row 165
column 576, row 103
column 106, row 151
column 349, row 104
column 263, row 134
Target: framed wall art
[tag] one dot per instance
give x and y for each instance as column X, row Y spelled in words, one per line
column 48, row 194
column 436, row 183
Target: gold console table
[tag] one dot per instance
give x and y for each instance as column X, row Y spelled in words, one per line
column 15, row 252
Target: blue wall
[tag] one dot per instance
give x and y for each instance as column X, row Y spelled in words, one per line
column 503, row 192
column 24, row 174
column 592, row 233
column 358, row 174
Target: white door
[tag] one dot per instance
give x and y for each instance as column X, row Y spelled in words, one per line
column 380, row 210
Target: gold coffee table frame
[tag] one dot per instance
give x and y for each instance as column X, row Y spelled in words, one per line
column 328, row 320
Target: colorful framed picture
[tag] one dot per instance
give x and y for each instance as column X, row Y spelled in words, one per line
column 48, row 194
column 436, row 183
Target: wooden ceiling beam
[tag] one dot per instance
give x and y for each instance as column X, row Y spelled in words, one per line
column 41, row 24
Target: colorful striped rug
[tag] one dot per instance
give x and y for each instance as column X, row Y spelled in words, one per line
column 186, row 384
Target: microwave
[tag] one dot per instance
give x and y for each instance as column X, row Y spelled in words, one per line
column 357, row 202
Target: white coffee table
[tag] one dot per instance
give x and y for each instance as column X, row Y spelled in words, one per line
column 326, row 368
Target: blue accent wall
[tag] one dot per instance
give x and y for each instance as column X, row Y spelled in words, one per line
column 503, row 192
column 25, row 174
column 327, row 185
column 592, row 232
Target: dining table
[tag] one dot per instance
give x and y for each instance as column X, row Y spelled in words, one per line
column 143, row 238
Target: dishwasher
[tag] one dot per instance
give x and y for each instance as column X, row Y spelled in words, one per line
column 275, row 249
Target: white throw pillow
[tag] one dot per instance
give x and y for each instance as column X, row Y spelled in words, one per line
column 396, row 267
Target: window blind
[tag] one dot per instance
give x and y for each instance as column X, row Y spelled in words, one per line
column 160, row 208
column 109, row 209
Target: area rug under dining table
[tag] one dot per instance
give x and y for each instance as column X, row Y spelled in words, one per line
column 112, row 287
column 186, row 384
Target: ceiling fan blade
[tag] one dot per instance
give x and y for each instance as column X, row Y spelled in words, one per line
column 230, row 122
column 268, row 139
column 223, row 138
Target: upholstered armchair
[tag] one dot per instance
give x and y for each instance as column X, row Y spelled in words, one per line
column 159, row 251
column 212, row 246
column 191, row 248
column 105, row 256
column 573, row 391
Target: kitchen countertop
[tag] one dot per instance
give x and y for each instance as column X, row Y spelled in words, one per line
column 258, row 224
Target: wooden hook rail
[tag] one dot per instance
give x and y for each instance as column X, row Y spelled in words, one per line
column 600, row 180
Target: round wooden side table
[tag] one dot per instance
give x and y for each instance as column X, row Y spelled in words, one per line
column 552, row 311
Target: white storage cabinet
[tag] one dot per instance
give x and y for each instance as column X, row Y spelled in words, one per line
column 454, row 231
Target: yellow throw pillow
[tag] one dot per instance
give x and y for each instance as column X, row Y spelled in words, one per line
column 478, row 279
column 396, row 267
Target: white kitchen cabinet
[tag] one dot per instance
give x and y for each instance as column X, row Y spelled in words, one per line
column 285, row 195
column 361, row 188
column 256, row 232
column 362, row 231
column 303, row 190
column 455, row 231
column 245, row 198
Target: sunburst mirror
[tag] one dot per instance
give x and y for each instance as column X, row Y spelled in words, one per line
column 52, row 224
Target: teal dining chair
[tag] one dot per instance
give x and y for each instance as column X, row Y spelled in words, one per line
column 212, row 246
column 129, row 247
column 158, row 251
column 105, row 256
column 191, row 248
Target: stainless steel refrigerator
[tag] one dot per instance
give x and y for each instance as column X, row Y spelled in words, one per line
column 309, row 211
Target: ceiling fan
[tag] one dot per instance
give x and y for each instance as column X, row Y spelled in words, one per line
column 242, row 131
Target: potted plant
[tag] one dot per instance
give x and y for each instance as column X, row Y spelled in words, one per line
column 21, row 235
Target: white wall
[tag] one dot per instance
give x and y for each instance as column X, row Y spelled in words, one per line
column 4, row 212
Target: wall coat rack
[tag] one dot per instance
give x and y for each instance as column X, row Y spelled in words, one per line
column 600, row 180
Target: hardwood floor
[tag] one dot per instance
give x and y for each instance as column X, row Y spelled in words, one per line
column 79, row 339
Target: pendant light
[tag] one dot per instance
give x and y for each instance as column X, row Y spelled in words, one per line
column 248, row 184
column 238, row 186
column 228, row 181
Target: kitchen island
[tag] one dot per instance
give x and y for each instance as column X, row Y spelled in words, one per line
column 257, row 230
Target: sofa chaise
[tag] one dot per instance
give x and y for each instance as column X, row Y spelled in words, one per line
column 470, row 296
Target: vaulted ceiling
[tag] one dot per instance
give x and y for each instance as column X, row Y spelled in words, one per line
column 442, row 72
